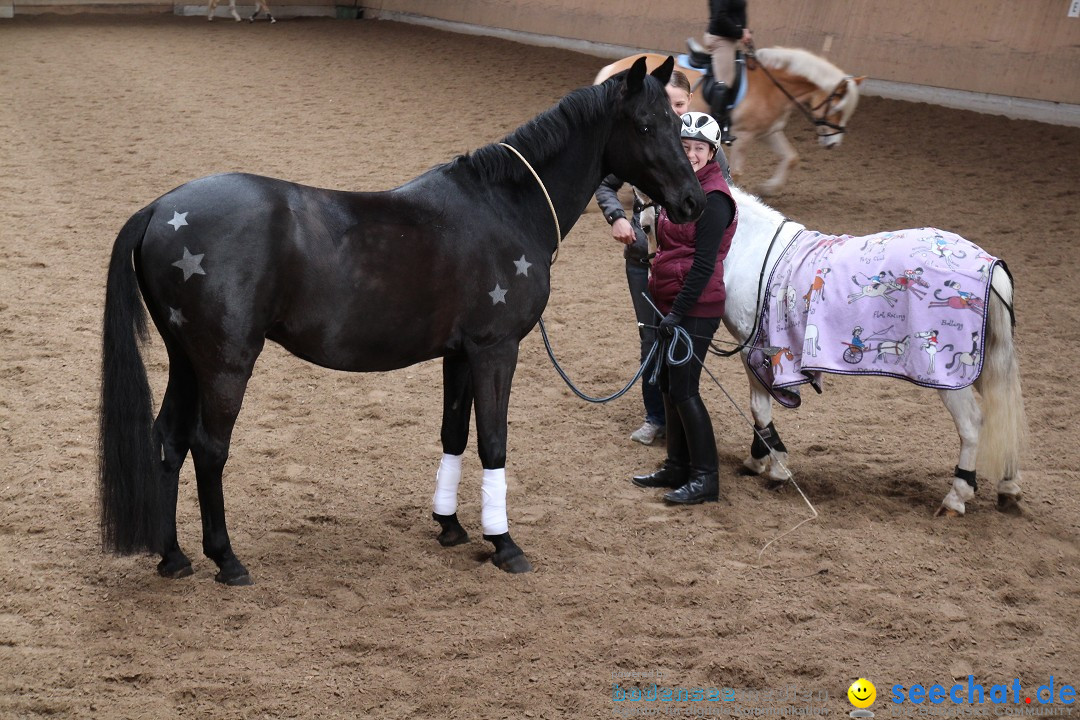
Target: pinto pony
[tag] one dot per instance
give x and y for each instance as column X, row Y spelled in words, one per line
column 779, row 81
column 993, row 433
column 453, row 264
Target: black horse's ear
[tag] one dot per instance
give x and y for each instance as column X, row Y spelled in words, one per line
column 635, row 79
column 663, row 73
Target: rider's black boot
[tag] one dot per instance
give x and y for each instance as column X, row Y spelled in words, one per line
column 676, row 468
column 718, row 103
column 703, row 484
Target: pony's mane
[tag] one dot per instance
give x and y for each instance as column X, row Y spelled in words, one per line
column 547, row 133
column 816, row 69
column 752, row 206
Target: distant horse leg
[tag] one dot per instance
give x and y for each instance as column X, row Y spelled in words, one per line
column 779, row 144
column 172, row 434
column 261, row 6
column 457, row 406
column 232, row 9
column 965, row 412
column 767, row 451
column 492, row 374
column 210, row 8
column 220, row 397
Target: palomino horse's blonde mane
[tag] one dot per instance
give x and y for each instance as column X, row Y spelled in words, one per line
column 816, row 69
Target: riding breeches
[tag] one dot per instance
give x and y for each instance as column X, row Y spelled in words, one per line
column 722, row 50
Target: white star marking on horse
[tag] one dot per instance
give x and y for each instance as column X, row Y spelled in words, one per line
column 190, row 264
column 178, row 219
column 176, row 317
column 523, row 266
column 498, row 295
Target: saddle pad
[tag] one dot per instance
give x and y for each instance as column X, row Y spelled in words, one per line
column 909, row 304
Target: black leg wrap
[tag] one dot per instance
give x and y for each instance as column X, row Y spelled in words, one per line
column 765, row 440
column 967, row 476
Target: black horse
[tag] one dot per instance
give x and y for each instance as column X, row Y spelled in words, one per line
column 454, row 264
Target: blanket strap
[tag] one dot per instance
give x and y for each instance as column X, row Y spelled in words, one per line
column 757, row 314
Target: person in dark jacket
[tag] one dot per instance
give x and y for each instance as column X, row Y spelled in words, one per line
column 629, row 232
column 727, row 30
column 687, row 284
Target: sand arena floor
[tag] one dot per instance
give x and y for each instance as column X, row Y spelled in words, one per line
column 356, row 611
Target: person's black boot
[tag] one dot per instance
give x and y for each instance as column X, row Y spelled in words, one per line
column 703, row 485
column 719, row 107
column 676, row 468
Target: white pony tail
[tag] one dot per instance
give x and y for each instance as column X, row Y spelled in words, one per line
column 1004, row 428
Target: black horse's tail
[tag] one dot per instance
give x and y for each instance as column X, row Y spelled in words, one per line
column 131, row 496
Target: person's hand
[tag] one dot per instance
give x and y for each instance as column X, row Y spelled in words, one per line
column 669, row 323
column 747, row 36
column 623, row 231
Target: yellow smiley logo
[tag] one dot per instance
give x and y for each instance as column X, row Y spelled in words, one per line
column 862, row 693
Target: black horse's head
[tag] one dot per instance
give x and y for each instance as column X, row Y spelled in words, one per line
column 644, row 147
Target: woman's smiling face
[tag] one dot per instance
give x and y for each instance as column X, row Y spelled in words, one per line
column 698, row 152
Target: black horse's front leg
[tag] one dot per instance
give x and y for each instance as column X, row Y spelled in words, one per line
column 457, row 406
column 492, row 370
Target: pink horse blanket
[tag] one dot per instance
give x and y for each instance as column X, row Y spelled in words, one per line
column 909, row 304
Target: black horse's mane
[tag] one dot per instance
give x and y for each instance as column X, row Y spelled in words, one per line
column 545, row 134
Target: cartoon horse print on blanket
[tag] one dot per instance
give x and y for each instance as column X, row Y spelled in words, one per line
column 942, row 247
column 962, row 300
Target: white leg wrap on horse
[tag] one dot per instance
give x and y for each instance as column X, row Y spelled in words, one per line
column 961, row 492
column 493, row 502
column 444, row 502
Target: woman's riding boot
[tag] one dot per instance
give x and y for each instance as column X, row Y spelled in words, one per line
column 676, row 468
column 703, row 484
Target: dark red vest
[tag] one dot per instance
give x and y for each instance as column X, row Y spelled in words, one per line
column 675, row 255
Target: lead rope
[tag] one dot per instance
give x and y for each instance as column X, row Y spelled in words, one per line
column 772, row 453
column 551, row 205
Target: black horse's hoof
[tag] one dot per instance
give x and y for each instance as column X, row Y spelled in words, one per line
column 453, row 536
column 232, row 572
column 508, row 556
column 452, row 532
column 514, row 564
column 234, row 580
column 176, row 566
column 174, row 573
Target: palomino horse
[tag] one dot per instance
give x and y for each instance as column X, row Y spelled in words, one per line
column 260, row 6
column 453, row 264
column 815, row 86
column 994, row 432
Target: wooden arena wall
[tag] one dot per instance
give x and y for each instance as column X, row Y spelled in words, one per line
column 1021, row 51
column 1028, row 49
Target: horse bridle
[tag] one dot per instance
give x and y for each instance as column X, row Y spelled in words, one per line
column 808, row 112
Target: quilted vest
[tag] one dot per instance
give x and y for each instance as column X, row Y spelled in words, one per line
column 675, row 255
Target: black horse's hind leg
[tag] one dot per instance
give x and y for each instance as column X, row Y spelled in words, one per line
column 492, row 374
column 457, row 406
column 220, row 397
column 172, row 438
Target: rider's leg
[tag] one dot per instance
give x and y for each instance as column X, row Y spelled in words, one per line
column 722, row 50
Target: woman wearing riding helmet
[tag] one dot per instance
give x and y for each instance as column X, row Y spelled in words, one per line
column 629, row 232
column 687, row 283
